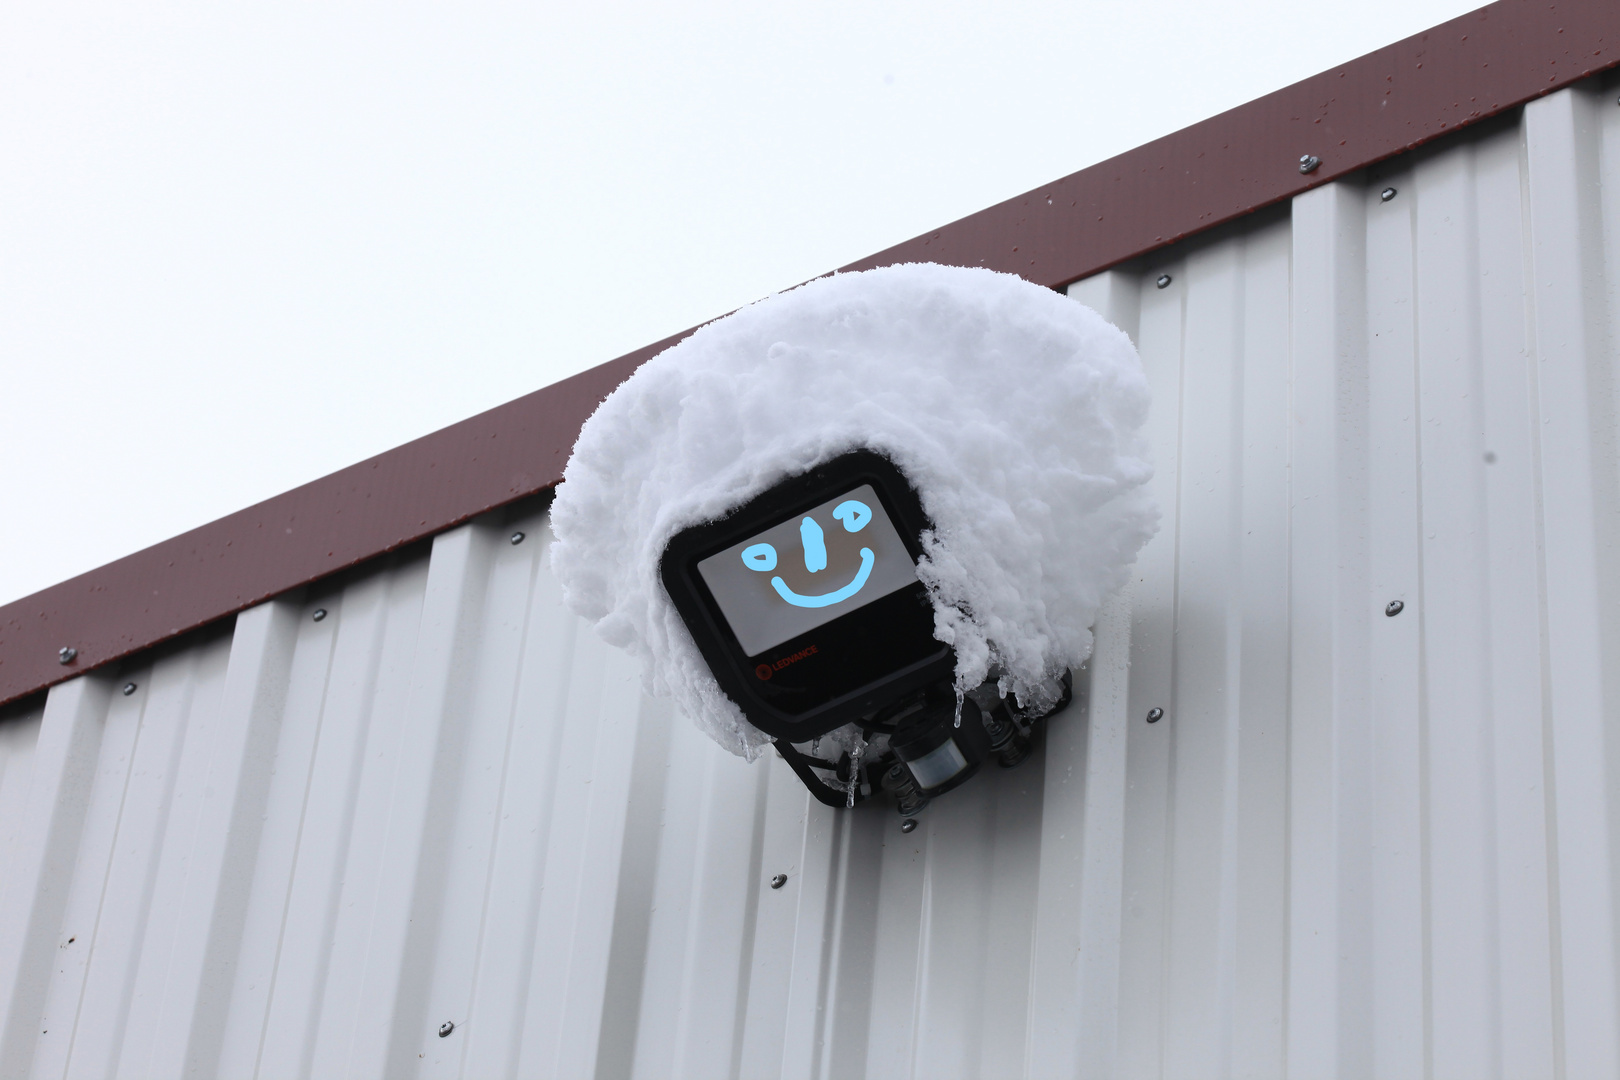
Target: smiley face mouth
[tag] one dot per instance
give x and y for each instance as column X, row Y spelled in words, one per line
column 827, row 599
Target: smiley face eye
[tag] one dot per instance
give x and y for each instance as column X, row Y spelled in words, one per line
column 759, row 557
column 854, row 514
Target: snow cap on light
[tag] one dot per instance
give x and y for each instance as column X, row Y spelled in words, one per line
column 1015, row 412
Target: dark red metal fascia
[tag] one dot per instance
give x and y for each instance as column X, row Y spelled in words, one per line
column 352, row 515
column 1382, row 104
column 1372, row 108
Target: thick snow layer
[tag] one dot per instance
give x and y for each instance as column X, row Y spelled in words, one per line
column 1014, row 411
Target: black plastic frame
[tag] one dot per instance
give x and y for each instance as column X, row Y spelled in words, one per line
column 731, row 667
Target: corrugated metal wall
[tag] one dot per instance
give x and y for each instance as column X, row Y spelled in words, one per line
column 1357, row 845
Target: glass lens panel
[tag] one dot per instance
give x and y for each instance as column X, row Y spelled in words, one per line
column 809, row 570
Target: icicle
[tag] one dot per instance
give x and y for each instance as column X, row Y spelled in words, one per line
column 959, row 696
column 855, row 769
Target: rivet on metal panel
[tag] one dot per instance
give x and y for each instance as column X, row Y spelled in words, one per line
column 1394, row 608
column 129, row 688
column 1163, row 282
column 778, row 881
column 446, row 1028
column 1386, row 195
column 1308, row 162
column 1155, row 715
column 517, row 538
column 65, row 654
column 908, row 825
column 320, row 613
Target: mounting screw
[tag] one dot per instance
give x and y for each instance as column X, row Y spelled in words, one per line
column 1308, row 162
column 1163, row 282
column 65, row 654
column 129, row 688
column 908, row 825
column 1155, row 715
column 778, row 881
column 517, row 538
column 446, row 1028
column 1394, row 608
column 1386, row 195
column 320, row 613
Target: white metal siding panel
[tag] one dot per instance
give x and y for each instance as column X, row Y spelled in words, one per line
column 19, row 736
column 1355, row 846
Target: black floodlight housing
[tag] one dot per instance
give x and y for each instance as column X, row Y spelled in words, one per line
column 806, row 605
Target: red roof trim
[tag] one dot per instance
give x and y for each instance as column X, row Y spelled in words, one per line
column 1377, row 106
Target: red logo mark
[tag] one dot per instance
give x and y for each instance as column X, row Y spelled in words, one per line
column 764, row 671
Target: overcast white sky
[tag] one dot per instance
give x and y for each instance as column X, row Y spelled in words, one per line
column 243, row 245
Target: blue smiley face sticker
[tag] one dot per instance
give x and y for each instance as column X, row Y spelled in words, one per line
column 854, row 515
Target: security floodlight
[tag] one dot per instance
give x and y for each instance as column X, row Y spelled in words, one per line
column 806, row 605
